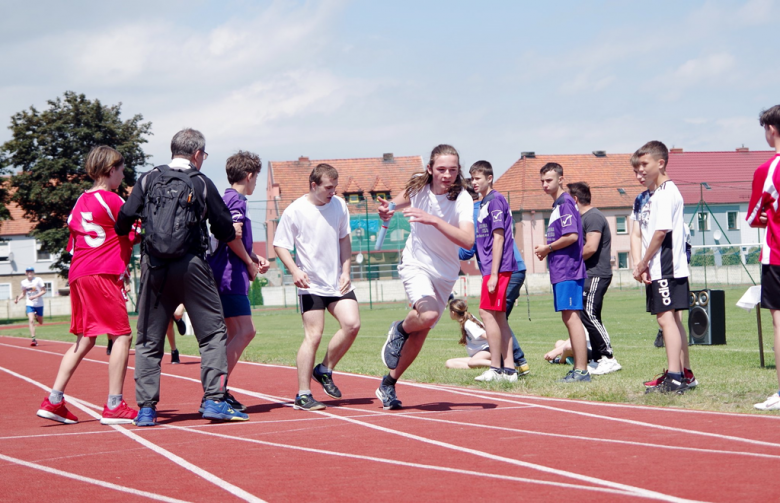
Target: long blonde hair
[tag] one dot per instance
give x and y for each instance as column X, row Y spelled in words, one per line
column 461, row 310
column 420, row 180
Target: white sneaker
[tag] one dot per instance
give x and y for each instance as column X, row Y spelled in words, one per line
column 509, row 377
column 771, row 403
column 490, row 375
column 604, row 366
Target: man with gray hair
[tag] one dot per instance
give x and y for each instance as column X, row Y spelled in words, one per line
column 173, row 202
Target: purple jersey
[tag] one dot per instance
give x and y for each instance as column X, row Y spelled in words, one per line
column 565, row 264
column 494, row 214
column 230, row 271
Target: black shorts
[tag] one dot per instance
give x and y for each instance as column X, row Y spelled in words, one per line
column 770, row 286
column 667, row 294
column 310, row 302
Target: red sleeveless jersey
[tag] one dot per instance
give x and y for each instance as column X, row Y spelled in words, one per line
column 95, row 246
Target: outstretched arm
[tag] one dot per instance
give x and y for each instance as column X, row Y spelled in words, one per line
column 462, row 234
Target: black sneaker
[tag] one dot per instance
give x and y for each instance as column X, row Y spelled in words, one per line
column 180, row 326
column 327, row 383
column 234, row 404
column 175, row 357
column 669, row 385
column 109, row 347
column 659, row 339
column 391, row 351
column 307, row 402
column 386, row 393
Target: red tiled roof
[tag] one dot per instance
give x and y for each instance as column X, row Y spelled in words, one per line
column 18, row 224
column 605, row 175
column 351, row 187
column 291, row 178
column 729, row 174
column 379, row 186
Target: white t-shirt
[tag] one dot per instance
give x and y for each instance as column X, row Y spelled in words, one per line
column 314, row 232
column 34, row 287
column 426, row 247
column 664, row 212
column 475, row 338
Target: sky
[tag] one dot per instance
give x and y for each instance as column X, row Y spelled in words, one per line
column 346, row 79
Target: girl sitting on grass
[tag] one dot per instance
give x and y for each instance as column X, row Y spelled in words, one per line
column 472, row 336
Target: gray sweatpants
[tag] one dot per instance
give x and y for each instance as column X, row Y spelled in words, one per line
column 187, row 281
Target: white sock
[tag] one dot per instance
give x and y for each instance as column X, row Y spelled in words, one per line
column 302, row 392
column 114, row 401
column 55, row 397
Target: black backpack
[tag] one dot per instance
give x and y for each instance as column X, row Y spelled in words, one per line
column 173, row 215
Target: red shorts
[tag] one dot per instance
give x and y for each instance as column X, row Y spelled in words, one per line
column 495, row 301
column 97, row 304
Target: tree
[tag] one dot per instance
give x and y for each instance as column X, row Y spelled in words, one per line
column 51, row 147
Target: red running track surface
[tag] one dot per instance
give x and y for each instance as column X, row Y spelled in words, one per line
column 448, row 443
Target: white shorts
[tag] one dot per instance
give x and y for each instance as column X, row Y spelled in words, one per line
column 418, row 283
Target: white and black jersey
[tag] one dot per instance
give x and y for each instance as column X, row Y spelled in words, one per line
column 664, row 212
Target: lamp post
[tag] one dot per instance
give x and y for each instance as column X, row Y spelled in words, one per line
column 702, row 186
column 368, row 254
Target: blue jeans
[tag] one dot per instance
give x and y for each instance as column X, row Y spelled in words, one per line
column 512, row 293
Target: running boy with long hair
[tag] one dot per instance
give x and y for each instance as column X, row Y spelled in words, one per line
column 440, row 213
column 97, row 299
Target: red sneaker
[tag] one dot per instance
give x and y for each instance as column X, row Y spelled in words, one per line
column 33, row 342
column 657, row 380
column 56, row 412
column 121, row 415
column 690, row 379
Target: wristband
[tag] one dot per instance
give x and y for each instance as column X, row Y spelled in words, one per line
column 551, row 250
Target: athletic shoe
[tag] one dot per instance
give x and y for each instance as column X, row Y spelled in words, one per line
column 573, row 376
column 222, row 411
column 33, row 342
column 604, row 366
column 522, row 368
column 180, row 326
column 386, row 393
column 147, row 416
column 690, row 379
column 121, row 415
column 659, row 339
column 307, row 402
column 669, row 385
column 175, row 357
column 234, row 404
column 490, row 375
column 56, row 412
column 391, row 351
column 657, row 380
column 509, row 377
column 110, row 346
column 327, row 383
column 771, row 403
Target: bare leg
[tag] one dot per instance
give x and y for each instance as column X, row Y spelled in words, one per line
column 685, row 358
column 179, row 312
column 31, row 324
column 240, row 332
column 347, row 314
column 171, row 336
column 579, row 343
column 117, row 363
column 672, row 340
column 418, row 323
column 313, row 325
column 557, row 351
column 71, row 360
column 499, row 338
column 40, row 320
column 776, row 325
column 481, row 359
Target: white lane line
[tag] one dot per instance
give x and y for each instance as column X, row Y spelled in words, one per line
column 52, row 435
column 396, row 462
column 81, row 478
column 87, row 407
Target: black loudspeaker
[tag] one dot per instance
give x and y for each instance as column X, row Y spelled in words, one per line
column 707, row 317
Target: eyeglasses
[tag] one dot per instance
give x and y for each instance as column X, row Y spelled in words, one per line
column 205, row 155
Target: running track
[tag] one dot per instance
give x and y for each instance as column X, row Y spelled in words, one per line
column 448, row 443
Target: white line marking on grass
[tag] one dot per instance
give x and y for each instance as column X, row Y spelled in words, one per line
column 81, row 478
column 395, row 462
column 87, row 407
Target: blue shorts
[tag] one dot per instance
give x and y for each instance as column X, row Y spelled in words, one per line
column 235, row 305
column 37, row 310
column 567, row 295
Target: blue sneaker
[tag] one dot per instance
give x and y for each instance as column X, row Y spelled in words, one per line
column 147, row 416
column 574, row 376
column 222, row 411
column 391, row 351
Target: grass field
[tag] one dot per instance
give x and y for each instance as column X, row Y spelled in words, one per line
column 730, row 376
